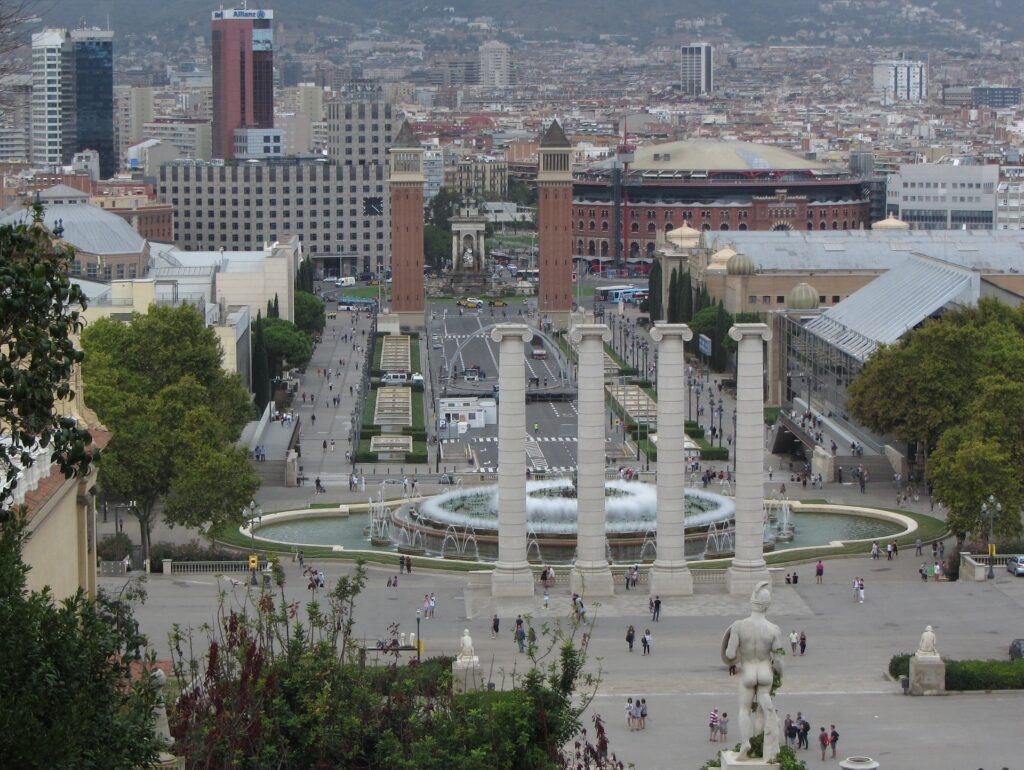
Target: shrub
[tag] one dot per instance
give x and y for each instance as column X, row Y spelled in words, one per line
column 114, row 547
column 693, row 430
column 984, row 674
column 714, row 453
column 899, row 665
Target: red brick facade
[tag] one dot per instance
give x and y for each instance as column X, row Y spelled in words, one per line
column 407, row 247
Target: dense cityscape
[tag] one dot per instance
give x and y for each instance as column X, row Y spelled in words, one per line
column 576, row 323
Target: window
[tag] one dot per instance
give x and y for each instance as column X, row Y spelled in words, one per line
column 835, row 298
column 752, row 300
column 766, row 300
column 779, row 299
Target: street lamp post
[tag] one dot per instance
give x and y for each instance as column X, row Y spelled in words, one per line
column 252, row 537
column 419, row 639
column 720, row 410
column 990, row 510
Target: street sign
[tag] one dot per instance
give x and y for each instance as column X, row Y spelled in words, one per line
column 254, row 561
column 704, row 344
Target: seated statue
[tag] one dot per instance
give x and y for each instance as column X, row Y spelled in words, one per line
column 466, row 653
column 468, row 258
column 926, row 647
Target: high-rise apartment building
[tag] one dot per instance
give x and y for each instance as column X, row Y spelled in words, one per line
column 697, row 69
column 242, row 46
column 133, row 107
column 94, row 96
column 495, row 64
column 360, row 125
column 901, row 80
column 73, row 97
column 16, row 117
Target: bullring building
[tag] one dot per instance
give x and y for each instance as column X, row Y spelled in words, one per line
column 709, row 186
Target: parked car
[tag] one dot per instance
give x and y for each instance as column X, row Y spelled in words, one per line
column 1015, row 564
column 435, row 342
column 470, row 303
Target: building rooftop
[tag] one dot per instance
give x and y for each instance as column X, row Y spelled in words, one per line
column 719, row 156
column 89, row 229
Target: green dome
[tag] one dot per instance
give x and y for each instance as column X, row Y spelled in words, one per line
column 740, row 264
column 803, row 296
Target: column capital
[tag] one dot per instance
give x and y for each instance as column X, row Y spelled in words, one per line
column 590, row 331
column 664, row 331
column 511, row 331
column 739, row 331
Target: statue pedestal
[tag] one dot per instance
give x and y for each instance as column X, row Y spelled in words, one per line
column 467, row 676
column 733, row 759
column 927, row 675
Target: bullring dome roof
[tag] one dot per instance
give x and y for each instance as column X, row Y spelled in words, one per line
column 803, row 296
column 740, row 264
column 719, row 156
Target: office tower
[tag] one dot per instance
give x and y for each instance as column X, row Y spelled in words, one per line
column 133, row 107
column 495, row 64
column 944, row 196
column 901, row 80
column 696, row 69
column 360, row 125
column 52, row 106
column 94, row 96
column 73, row 97
column 243, row 75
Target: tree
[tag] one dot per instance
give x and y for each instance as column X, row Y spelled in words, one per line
column 719, row 354
column 260, row 366
column 521, row 193
column 157, row 383
column 309, row 313
column 654, row 307
column 285, row 344
column 65, row 675
column 686, row 298
column 38, row 320
column 210, row 487
column 672, row 315
column 442, row 207
column 277, row 307
column 437, row 245
column 304, row 276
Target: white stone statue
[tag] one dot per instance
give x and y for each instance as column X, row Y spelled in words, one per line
column 466, row 653
column 467, row 258
column 755, row 646
column 926, row 647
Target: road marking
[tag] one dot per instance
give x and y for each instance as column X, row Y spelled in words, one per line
column 536, row 455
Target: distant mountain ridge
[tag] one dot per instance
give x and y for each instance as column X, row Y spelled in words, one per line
column 753, row 20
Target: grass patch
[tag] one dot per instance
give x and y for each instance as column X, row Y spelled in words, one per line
column 369, row 407
column 378, row 351
column 771, row 414
column 417, row 412
column 414, row 354
column 364, row 292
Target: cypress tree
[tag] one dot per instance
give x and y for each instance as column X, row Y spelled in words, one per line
column 718, row 357
column 686, row 298
column 277, row 307
column 260, row 366
column 654, row 292
column 673, row 298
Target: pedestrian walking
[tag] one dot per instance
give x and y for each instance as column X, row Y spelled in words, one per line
column 723, row 727
column 805, row 731
column 823, row 741
column 325, row 446
column 833, row 739
column 819, row 571
column 874, row 551
column 643, row 643
column 856, row 588
column 520, row 634
column 433, row 604
column 860, row 591
column 495, row 623
column 656, row 613
column 332, row 444
column 917, row 547
column 643, row 713
column 546, row 599
column 629, row 714
column 888, row 557
column 630, row 636
column 803, row 642
column 794, row 639
column 713, row 725
column 923, row 572
column 648, row 641
column 789, row 730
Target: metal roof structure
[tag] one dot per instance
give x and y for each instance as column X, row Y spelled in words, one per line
column 894, row 303
column 89, row 229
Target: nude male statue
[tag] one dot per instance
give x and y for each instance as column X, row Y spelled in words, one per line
column 754, row 645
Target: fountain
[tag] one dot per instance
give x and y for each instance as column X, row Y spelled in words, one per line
column 551, row 520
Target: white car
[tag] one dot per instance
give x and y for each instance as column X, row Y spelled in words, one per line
column 416, row 377
column 1015, row 564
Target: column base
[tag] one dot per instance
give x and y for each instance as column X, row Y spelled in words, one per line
column 559, row 319
column 733, row 759
column 592, row 582
column 410, row 319
column 512, row 581
column 670, row 580
column 741, row 581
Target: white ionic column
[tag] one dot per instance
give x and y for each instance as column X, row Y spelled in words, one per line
column 670, row 575
column 748, row 567
column 512, row 575
column 591, row 574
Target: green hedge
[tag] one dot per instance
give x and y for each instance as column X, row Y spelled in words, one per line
column 693, row 430
column 971, row 674
column 715, row 453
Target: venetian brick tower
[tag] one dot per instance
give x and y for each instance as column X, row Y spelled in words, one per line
column 406, row 186
column 554, row 221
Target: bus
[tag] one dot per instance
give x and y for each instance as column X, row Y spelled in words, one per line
column 638, row 296
column 356, row 303
column 529, row 275
column 614, row 293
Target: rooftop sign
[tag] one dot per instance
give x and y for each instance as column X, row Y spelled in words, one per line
column 242, row 13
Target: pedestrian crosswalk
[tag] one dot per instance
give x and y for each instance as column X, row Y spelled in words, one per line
column 494, row 439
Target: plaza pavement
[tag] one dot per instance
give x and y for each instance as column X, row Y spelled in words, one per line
column 840, row 680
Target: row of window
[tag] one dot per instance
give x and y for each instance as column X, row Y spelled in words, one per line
column 286, row 190
column 353, row 226
column 687, row 214
column 781, row 300
column 92, row 270
column 212, row 238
